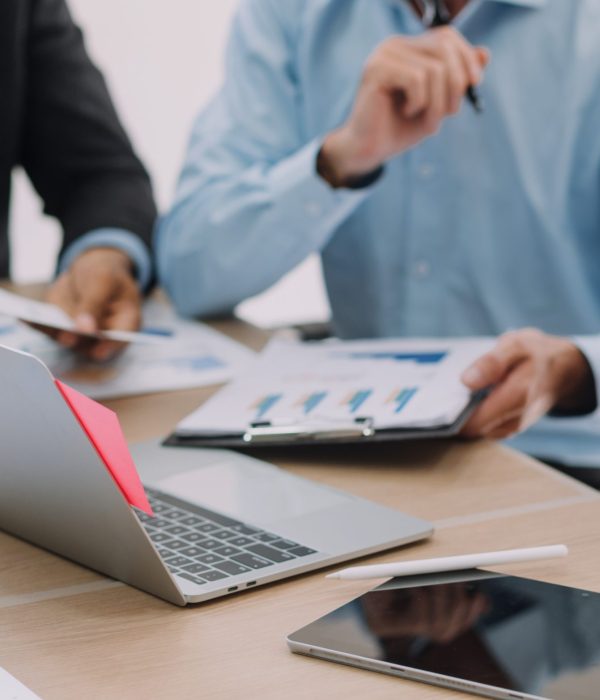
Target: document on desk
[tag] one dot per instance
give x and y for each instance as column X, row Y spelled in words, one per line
column 12, row 689
column 194, row 356
column 392, row 384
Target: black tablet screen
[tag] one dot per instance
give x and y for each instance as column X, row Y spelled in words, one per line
column 502, row 631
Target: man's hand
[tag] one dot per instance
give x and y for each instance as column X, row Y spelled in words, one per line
column 100, row 293
column 409, row 85
column 530, row 374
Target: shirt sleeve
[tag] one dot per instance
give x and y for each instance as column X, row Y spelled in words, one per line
column 250, row 205
column 590, row 347
column 120, row 239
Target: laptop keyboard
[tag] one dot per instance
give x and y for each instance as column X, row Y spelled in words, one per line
column 202, row 546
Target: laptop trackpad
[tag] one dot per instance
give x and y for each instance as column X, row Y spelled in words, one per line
column 248, row 490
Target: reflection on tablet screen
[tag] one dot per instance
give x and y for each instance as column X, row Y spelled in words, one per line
column 500, row 631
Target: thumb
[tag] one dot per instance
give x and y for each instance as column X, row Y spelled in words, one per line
column 486, row 371
column 493, row 367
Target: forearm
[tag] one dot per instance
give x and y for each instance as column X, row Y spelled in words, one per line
column 233, row 237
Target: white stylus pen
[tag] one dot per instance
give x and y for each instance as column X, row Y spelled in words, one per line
column 465, row 561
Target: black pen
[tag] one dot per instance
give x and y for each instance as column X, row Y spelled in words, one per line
column 441, row 18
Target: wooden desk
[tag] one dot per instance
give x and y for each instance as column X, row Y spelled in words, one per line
column 69, row 633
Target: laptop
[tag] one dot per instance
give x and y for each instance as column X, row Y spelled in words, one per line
column 223, row 522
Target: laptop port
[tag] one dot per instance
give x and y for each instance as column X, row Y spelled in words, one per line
column 250, row 583
column 233, row 588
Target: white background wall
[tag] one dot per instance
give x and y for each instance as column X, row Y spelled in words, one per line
column 163, row 60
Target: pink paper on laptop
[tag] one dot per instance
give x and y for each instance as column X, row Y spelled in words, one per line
column 104, row 431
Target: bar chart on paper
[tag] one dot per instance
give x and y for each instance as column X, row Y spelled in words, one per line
column 264, row 404
column 356, row 399
column 419, row 358
column 389, row 383
column 311, row 402
column 400, row 398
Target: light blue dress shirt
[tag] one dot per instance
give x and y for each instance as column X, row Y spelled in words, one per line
column 492, row 224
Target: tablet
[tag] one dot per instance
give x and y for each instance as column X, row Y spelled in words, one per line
column 476, row 631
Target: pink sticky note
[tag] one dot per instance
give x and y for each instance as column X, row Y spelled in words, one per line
column 104, row 431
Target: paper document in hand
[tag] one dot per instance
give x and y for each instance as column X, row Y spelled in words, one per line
column 195, row 356
column 394, row 383
column 53, row 317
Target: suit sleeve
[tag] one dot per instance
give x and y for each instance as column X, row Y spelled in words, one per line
column 74, row 148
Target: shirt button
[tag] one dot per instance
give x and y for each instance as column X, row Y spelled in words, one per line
column 426, row 170
column 313, row 209
column 422, row 269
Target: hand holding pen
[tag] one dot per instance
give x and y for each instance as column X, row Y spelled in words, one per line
column 437, row 15
column 409, row 86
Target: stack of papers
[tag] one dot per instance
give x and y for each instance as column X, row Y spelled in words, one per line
column 12, row 689
column 53, row 317
column 394, row 384
column 171, row 354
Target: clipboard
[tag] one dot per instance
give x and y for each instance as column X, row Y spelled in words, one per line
column 359, row 431
column 340, row 392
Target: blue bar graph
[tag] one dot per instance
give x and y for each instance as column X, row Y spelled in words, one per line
column 312, row 401
column 403, row 397
column 421, row 358
column 358, row 399
column 265, row 404
column 197, row 364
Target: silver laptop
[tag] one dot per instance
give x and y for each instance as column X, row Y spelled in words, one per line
column 223, row 522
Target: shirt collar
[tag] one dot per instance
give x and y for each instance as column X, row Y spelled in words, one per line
column 523, row 3
column 520, row 3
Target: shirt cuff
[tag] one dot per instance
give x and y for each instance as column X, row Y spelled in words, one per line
column 299, row 189
column 590, row 347
column 117, row 238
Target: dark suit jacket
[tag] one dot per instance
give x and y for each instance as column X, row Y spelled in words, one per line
column 58, row 122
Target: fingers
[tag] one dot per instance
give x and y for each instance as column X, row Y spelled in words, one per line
column 422, row 87
column 463, row 62
column 505, row 430
column 457, row 58
column 433, row 71
column 440, row 95
column 104, row 350
column 530, row 373
column 126, row 314
column 484, row 56
column 431, row 82
column 513, row 406
column 505, row 402
column 92, row 299
column 492, row 367
column 407, row 78
column 99, row 293
column 474, row 61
